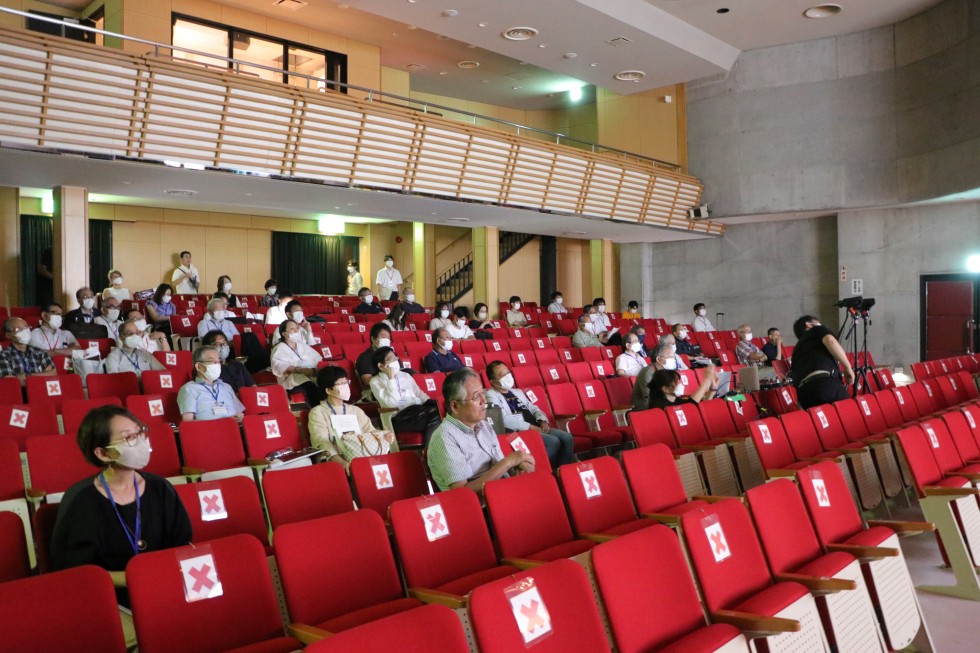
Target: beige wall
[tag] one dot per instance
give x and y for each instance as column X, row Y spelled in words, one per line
column 643, row 123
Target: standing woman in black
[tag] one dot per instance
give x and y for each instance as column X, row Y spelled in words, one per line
column 817, row 363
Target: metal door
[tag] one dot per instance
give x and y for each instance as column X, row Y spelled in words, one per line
column 949, row 315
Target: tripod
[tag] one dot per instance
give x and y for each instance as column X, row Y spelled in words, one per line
column 864, row 372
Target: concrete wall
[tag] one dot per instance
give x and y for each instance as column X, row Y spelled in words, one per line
column 890, row 249
column 764, row 274
column 875, row 118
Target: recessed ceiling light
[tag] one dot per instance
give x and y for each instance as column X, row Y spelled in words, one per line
column 180, row 192
column 722, row 10
column 343, row 6
column 467, row 65
column 127, row 183
column 630, row 75
column 570, row 55
column 442, row 37
column 249, row 194
column 443, row 72
column 394, row 34
column 521, row 63
column 516, row 88
column 822, row 11
column 456, row 219
column 520, row 33
column 450, row 13
column 593, row 65
column 542, row 45
column 483, row 24
column 486, row 81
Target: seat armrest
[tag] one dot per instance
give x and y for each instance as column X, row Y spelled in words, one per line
column 904, row 527
column 597, row 537
column 442, row 598
column 757, row 624
column 191, row 471
column 818, row 459
column 258, row 463
column 818, row 584
column 710, row 498
column 781, row 473
column 934, row 491
column 663, row 518
column 865, row 553
column 973, row 478
column 595, row 413
column 521, row 563
column 390, row 409
column 306, row 634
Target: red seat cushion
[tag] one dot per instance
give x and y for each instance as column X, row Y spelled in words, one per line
column 773, row 599
column 871, row 537
column 410, row 438
column 463, row 586
column 277, row 645
column 706, row 640
column 564, row 550
column 629, row 527
column 370, row 613
column 827, row 566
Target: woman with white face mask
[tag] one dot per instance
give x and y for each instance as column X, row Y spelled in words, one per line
column 515, row 314
column 630, row 362
column 120, row 512
column 294, row 362
column 207, row 397
column 667, row 388
column 397, row 392
column 225, row 285
column 341, row 429
column 116, row 287
column 354, row 279
column 130, row 354
column 161, row 308
column 441, row 318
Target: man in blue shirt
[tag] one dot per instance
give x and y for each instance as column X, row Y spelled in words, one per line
column 215, row 321
column 441, row 358
column 207, row 396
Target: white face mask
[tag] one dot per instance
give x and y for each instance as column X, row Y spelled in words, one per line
column 224, row 351
column 296, row 336
column 389, row 264
column 271, row 290
column 601, row 308
column 23, row 336
column 748, row 336
column 516, row 306
column 394, row 365
column 682, row 335
column 118, row 281
column 112, row 314
column 367, row 299
column 298, row 316
column 559, row 300
column 350, row 270
column 679, row 389
column 670, row 364
column 134, row 457
column 167, row 299
column 482, row 315
column 218, row 315
column 54, row 321
column 227, row 287
column 88, row 303
column 507, row 382
column 444, row 314
column 133, row 342
column 410, row 298
column 588, row 327
column 212, row 371
column 384, row 342
column 672, row 349
column 702, row 312
column 447, row 345
column 636, row 347
column 140, row 324
column 343, row 391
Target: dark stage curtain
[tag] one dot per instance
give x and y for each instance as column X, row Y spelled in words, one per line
column 311, row 264
column 99, row 253
column 35, row 246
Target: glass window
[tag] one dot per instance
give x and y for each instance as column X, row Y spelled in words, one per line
column 194, row 36
column 254, row 49
column 307, row 63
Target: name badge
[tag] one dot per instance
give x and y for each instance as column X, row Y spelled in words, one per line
column 220, row 409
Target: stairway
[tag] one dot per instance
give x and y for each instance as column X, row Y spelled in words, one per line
column 458, row 280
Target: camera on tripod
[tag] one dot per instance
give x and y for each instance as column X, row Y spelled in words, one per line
column 851, row 302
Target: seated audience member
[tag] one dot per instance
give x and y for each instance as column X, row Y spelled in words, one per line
column 630, row 362
column 441, row 316
column 294, row 311
column 109, row 317
column 215, row 320
column 115, row 288
column 683, row 342
column 207, row 397
column 751, row 356
column 161, row 308
column 225, row 286
column 665, row 356
column 155, row 340
column 18, row 358
column 225, row 303
column 276, row 315
column 232, row 372
column 441, row 358
column 641, row 387
column 354, row 279
column 520, row 414
column 394, row 389
column 773, row 349
column 632, row 311
column 481, row 318
column 130, row 354
column 585, row 336
column 666, row 388
column 121, row 511
column 364, row 366
column 86, row 311
column 367, row 305
column 641, row 335
column 51, row 337
column 458, row 329
column 818, row 359
column 343, row 445
column 410, row 306
column 270, row 298
column 603, row 325
column 294, row 362
column 396, row 319
column 701, row 322
column 464, row 451
column 515, row 316
column 557, row 305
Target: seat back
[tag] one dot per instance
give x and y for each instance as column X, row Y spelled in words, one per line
column 553, row 373
column 162, row 381
column 829, row 428
column 56, row 463
column 592, row 395
column 165, row 460
column 685, row 423
column 742, row 413
column 943, row 449
column 246, row 612
column 349, row 577
column 725, row 553
column 889, row 408
column 828, row 500
column 651, row 427
column 597, row 495
column 270, row 432
column 462, row 543
column 653, row 478
column 154, row 407
column 381, row 480
column 431, row 384
column 645, row 573
column 527, row 514
column 783, row 525
column 429, row 628
column 802, row 434
column 224, row 507
column 14, row 561
column 906, row 404
column 529, row 442
column 84, row 601
column 73, row 411
column 717, row 420
column 20, row 421
column 578, row 372
column 852, row 419
column 525, row 375
column 10, row 390
column 302, row 493
column 560, row 588
column 918, row 452
column 772, row 444
column 262, row 399
column 874, row 419
column 969, row 385
column 619, row 389
column 972, row 414
column 951, row 390
column 118, row 384
column 923, row 396
column 212, row 445
column 52, row 390
column 11, row 474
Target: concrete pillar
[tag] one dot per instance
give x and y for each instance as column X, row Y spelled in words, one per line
column 424, row 262
column 486, row 263
column 601, row 259
column 69, row 240
column 10, row 246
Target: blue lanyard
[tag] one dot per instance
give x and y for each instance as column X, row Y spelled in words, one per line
column 134, row 361
column 217, row 390
column 134, row 539
column 330, row 406
column 21, row 359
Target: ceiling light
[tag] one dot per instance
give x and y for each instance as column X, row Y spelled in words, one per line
column 330, row 224
column 569, row 55
column 343, row 6
column 619, row 40
column 543, row 45
column 630, row 75
column 575, row 94
column 467, row 65
column 822, row 11
column 516, row 88
column 483, row 24
column 414, row 66
column 722, row 10
column 47, row 205
column 973, row 263
column 450, row 13
column 520, row 33
column 410, row 27
column 456, row 219
column 593, row 65
column 291, row 5
column 443, row 72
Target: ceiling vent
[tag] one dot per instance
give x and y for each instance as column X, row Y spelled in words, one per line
column 291, row 5
column 520, row 33
column 619, row 40
column 630, row 75
column 180, row 192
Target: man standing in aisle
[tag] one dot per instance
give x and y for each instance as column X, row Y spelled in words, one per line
column 186, row 278
column 388, row 280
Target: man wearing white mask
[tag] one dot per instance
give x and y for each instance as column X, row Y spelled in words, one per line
column 515, row 314
column 751, row 356
column 520, row 414
column 557, row 305
column 683, row 342
column 367, row 304
column 186, row 279
column 388, row 280
column 207, row 397
column 109, row 317
column 215, row 320
column 630, row 362
column 441, row 358
column 130, row 354
column 294, row 312
column 51, row 337
column 154, row 340
column 585, row 335
column 665, row 355
column 458, row 329
column 85, row 313
column 19, row 359
column 232, row 372
column 354, row 279
column 410, row 306
column 701, row 322
column 116, row 287
column 364, row 366
column 294, row 362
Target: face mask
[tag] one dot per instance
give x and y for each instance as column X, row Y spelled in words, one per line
column 224, row 351
column 448, row 345
column 410, row 298
column 601, row 308
column 350, row 270
column 296, row 336
column 507, row 382
column 679, row 390
column 588, row 327
column 227, row 287
column 672, row 349
column 299, row 316
column 748, row 336
column 367, row 299
column 218, row 315
column 343, row 391
column 444, row 314
column 395, row 365
column 384, row 342
column 140, row 324
column 670, row 364
column 54, row 321
column 133, row 342
column 516, row 306
column 271, row 290
column 682, row 335
column 389, row 264
column 134, row 457
column 167, row 299
column 635, row 347
column 212, row 371
column 88, row 303
column 559, row 300
column 634, row 309
column 482, row 315
column 702, row 312
column 118, row 281
column 112, row 314
column 23, row 336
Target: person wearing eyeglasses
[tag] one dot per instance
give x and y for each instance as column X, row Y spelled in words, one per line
column 19, row 358
column 120, row 512
column 464, row 451
column 395, row 390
